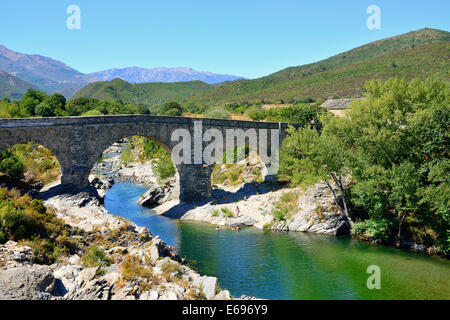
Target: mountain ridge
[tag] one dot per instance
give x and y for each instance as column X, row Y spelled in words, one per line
column 162, row 74
column 12, row 87
column 44, row 72
column 291, row 81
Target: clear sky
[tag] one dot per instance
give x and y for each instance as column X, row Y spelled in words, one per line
column 244, row 37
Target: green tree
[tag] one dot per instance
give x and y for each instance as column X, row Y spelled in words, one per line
column 11, row 165
column 172, row 109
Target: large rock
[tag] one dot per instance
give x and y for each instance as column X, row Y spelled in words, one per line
column 244, row 220
column 207, row 284
column 152, row 197
column 21, row 283
column 318, row 213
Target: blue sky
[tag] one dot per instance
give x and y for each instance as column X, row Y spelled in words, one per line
column 246, row 37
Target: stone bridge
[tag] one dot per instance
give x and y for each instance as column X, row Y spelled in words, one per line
column 78, row 142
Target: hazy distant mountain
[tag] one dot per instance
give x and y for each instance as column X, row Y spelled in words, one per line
column 13, row 87
column 142, row 75
column 48, row 74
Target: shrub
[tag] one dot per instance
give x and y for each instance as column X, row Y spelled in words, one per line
column 95, row 257
column 11, row 166
column 217, row 113
column 132, row 269
column 164, row 167
column 373, row 229
column 227, row 212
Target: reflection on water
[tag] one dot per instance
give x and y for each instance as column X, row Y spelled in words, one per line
column 276, row 265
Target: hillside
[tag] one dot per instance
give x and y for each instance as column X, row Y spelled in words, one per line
column 13, row 87
column 142, row 93
column 415, row 54
column 142, row 75
column 43, row 72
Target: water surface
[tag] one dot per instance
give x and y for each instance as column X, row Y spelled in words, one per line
column 275, row 265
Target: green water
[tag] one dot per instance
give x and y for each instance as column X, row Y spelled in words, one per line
column 276, row 265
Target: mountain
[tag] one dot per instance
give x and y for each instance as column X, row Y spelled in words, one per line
column 142, row 75
column 419, row 53
column 13, row 87
column 142, row 93
column 48, row 74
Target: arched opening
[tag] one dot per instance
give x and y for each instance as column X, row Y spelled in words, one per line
column 137, row 159
column 29, row 166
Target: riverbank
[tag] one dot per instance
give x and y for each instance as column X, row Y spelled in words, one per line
column 140, row 266
column 263, row 205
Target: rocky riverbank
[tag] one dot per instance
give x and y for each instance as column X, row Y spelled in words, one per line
column 140, row 266
column 111, row 167
column 259, row 205
column 248, row 204
column 258, row 202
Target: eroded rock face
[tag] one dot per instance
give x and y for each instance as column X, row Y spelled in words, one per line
column 27, row 283
column 152, row 197
column 318, row 213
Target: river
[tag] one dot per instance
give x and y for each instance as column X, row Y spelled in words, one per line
column 275, row 265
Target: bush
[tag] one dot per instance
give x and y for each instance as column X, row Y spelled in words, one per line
column 373, row 229
column 164, row 167
column 172, row 109
column 217, row 113
column 25, row 219
column 95, row 257
column 11, row 166
column 227, row 212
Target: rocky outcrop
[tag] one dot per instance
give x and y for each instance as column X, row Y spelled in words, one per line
column 27, row 283
column 154, row 196
column 142, row 267
column 315, row 212
column 318, row 213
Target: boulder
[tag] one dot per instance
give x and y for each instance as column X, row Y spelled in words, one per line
column 223, row 295
column 152, row 197
column 244, row 220
column 318, row 213
column 207, row 284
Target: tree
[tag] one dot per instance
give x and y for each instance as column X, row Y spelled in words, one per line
column 395, row 147
column 45, row 110
column 30, row 100
column 172, row 109
column 57, row 103
column 319, row 156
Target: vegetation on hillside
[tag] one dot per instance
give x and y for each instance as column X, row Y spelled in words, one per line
column 394, row 147
column 148, row 94
column 337, row 81
column 417, row 54
column 25, row 219
column 12, row 87
column 29, row 164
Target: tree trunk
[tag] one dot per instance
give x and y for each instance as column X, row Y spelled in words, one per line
column 343, row 210
column 400, row 227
